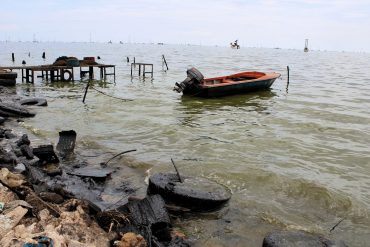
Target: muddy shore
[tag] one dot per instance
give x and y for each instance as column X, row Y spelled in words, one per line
column 53, row 198
column 45, row 199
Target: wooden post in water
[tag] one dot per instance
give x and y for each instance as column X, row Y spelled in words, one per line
column 87, row 87
column 43, row 55
column 13, row 59
column 164, row 62
column 287, row 83
column 305, row 46
column 91, row 72
column 127, row 59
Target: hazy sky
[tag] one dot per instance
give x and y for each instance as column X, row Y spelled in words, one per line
column 328, row 24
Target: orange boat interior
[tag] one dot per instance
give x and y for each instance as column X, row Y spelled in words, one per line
column 240, row 77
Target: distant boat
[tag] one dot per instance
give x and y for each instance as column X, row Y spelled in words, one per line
column 121, row 42
column 306, row 46
column 243, row 82
column 110, row 42
column 235, row 45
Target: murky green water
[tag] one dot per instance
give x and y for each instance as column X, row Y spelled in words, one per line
column 295, row 158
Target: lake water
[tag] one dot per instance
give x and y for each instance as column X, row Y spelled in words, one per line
column 294, row 158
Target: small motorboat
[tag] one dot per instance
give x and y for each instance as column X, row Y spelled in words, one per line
column 196, row 85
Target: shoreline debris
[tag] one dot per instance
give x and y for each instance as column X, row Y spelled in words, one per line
column 194, row 193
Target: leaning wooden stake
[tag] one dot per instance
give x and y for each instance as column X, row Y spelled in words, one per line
column 87, row 87
column 287, row 68
column 164, row 61
column 178, row 174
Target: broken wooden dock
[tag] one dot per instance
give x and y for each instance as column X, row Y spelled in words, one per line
column 60, row 73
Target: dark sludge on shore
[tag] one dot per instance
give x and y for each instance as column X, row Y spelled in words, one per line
column 46, row 200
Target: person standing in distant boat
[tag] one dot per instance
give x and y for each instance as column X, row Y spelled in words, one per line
column 234, row 44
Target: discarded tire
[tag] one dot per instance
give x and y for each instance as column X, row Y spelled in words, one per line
column 11, row 110
column 195, row 193
column 34, row 101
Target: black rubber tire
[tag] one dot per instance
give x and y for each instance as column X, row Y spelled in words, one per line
column 34, row 101
column 195, row 74
column 69, row 75
column 183, row 194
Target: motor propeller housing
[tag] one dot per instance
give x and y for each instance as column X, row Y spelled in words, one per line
column 193, row 76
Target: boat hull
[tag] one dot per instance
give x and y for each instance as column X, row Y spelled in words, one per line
column 229, row 87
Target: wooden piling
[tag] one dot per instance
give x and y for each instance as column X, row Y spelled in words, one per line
column 164, row 62
column 91, row 72
column 13, row 59
column 287, row 68
column 43, row 55
column 128, row 59
column 87, row 87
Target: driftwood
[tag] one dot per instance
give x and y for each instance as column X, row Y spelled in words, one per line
column 35, row 201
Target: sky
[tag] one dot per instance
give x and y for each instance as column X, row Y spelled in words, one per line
column 340, row 25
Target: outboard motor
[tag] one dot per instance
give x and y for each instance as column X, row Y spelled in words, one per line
column 194, row 77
